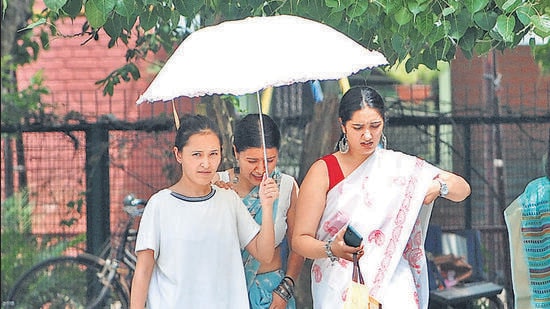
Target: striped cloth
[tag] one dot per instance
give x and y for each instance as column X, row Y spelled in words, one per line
column 535, row 231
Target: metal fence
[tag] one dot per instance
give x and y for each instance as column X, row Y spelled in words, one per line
column 498, row 155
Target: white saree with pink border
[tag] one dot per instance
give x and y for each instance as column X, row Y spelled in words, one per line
column 383, row 200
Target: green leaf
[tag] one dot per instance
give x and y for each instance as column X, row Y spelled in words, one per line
column 475, row 6
column 495, row 35
column 524, row 14
column 134, row 71
column 403, row 16
column 468, row 40
column 128, row 23
column 55, row 5
column 459, row 24
column 468, row 53
column 411, row 64
column 505, row 27
column 113, row 26
column 448, row 49
column 485, row 20
column 175, row 19
column 425, row 22
column 72, row 8
column 337, row 6
column 125, row 7
column 37, row 23
column 332, row 3
column 334, row 18
column 448, row 11
column 542, row 25
column 417, row 7
column 163, row 12
column 510, row 5
column 391, row 7
column 44, row 40
column 440, row 30
column 148, row 20
column 97, row 11
column 483, row 46
column 256, row 4
column 500, row 3
column 429, row 60
column 357, row 9
column 398, row 44
column 188, row 8
column 346, row 3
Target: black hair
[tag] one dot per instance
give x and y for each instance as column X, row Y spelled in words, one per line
column 191, row 124
column 248, row 133
column 357, row 98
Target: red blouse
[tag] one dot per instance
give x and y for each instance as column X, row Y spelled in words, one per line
column 335, row 173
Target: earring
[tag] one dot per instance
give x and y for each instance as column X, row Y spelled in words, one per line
column 383, row 141
column 236, row 172
column 343, row 145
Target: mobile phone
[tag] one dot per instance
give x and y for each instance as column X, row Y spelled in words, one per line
column 352, row 237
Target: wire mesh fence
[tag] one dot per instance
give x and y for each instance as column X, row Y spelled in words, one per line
column 498, row 155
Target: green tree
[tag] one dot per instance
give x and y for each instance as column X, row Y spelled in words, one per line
column 427, row 31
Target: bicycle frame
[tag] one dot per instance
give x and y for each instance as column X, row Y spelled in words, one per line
column 110, row 272
column 123, row 254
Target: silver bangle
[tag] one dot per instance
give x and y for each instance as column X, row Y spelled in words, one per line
column 328, row 251
column 285, row 289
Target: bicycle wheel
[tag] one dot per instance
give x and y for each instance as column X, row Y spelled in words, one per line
column 66, row 282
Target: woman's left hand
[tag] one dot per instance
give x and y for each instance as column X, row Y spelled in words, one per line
column 224, row 185
column 433, row 192
column 278, row 302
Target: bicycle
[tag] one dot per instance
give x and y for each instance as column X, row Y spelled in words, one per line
column 86, row 280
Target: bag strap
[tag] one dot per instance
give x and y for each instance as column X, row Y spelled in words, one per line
column 357, row 276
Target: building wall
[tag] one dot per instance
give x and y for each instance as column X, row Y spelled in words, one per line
column 71, row 67
column 520, row 86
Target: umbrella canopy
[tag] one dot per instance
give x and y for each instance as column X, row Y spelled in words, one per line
column 245, row 56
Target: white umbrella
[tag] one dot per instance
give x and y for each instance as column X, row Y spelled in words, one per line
column 244, row 56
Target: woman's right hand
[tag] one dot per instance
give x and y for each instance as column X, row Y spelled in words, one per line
column 341, row 250
column 269, row 191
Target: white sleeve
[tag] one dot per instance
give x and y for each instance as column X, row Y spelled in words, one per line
column 247, row 228
column 148, row 232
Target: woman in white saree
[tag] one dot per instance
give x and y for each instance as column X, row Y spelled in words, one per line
column 385, row 195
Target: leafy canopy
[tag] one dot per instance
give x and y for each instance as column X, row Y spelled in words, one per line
column 416, row 32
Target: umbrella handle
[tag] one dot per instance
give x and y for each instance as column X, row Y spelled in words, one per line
column 262, row 132
column 176, row 117
column 344, row 84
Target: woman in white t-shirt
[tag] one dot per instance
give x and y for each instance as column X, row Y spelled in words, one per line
column 191, row 234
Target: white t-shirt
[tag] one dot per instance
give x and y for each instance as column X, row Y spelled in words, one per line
column 196, row 244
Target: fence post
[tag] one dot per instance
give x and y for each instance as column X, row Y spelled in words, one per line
column 468, row 173
column 97, row 188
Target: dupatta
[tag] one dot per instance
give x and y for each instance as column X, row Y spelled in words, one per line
column 535, row 233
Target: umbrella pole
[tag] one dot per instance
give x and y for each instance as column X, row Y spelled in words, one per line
column 262, row 132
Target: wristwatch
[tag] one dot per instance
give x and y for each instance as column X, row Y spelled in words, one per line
column 443, row 189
